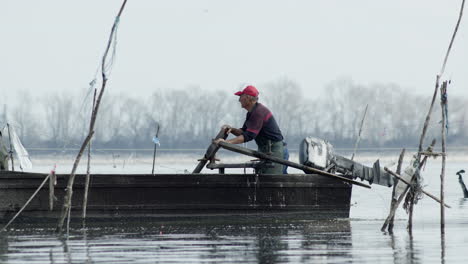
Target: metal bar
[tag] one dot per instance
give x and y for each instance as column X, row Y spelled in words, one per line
column 232, row 165
column 260, row 155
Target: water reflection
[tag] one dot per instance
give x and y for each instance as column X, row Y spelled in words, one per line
column 195, row 241
column 463, row 203
column 402, row 248
column 442, row 248
column 3, row 247
column 412, row 255
column 235, row 240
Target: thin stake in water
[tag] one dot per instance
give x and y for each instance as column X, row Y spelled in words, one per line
column 156, row 142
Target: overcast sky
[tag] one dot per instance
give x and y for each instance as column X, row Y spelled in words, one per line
column 50, row 46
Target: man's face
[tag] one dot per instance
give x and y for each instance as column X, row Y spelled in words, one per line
column 244, row 101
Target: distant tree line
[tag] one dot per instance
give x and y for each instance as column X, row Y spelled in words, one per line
column 189, row 118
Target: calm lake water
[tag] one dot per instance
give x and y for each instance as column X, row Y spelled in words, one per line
column 253, row 240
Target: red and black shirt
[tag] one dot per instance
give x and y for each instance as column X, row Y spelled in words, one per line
column 260, row 122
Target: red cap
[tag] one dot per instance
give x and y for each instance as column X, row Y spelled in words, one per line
column 249, row 90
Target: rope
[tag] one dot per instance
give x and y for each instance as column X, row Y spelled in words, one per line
column 27, row 202
column 109, row 63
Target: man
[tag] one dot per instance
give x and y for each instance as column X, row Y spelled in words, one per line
column 259, row 125
column 4, row 156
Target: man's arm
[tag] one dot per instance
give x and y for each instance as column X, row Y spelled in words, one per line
column 236, row 131
column 236, row 140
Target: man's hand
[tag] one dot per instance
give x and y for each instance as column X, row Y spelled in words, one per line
column 227, row 129
column 216, row 141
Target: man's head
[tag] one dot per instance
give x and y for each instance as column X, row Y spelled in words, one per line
column 248, row 97
column 249, row 90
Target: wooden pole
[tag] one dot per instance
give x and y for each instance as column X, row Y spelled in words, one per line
column 443, row 104
column 394, row 201
column 359, row 135
column 88, row 169
column 210, row 152
column 432, row 103
column 261, row 155
column 428, row 118
column 402, row 196
column 52, row 180
column 460, row 15
column 154, row 153
column 444, row 89
column 421, row 140
column 68, row 197
column 11, row 148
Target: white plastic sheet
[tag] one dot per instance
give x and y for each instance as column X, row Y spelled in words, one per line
column 21, row 153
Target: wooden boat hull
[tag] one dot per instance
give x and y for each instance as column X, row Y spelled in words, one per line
column 169, row 195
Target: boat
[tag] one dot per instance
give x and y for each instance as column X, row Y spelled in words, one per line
column 172, row 195
column 314, row 194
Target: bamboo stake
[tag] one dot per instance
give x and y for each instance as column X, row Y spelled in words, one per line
column 402, row 196
column 154, row 153
column 432, row 103
column 428, row 118
column 68, row 197
column 453, row 38
column 52, row 189
column 87, row 181
column 411, row 208
column 442, row 213
column 11, row 149
column 443, row 105
column 421, row 140
column 393, row 202
column 359, row 135
column 88, row 169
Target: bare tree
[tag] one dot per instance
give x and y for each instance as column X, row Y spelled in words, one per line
column 282, row 97
column 109, row 128
column 190, row 117
column 134, row 120
column 59, row 118
column 26, row 120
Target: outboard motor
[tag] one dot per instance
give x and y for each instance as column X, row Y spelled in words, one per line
column 318, row 153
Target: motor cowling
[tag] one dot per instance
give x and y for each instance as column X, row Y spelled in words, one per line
column 315, row 152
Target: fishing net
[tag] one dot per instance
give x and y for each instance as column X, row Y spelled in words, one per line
column 415, row 191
